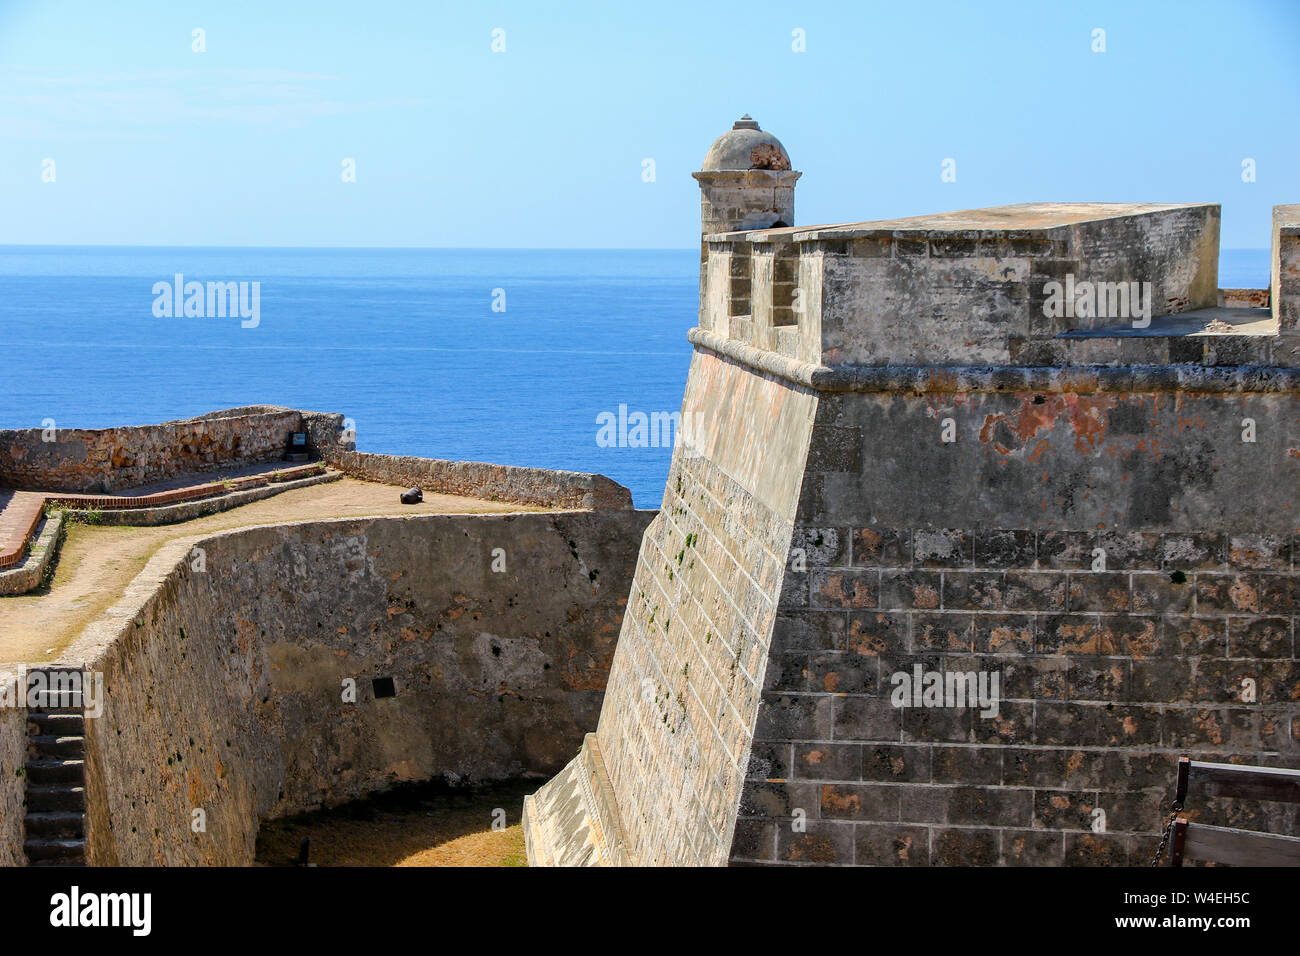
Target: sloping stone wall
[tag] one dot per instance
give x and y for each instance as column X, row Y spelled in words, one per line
column 677, row 721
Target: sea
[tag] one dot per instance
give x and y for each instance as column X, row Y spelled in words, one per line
column 513, row 356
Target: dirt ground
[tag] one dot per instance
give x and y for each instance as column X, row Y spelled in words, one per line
column 97, row 562
column 418, row 828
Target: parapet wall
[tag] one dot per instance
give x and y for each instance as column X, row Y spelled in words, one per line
column 224, row 688
column 539, row 487
column 107, row 459
column 964, row 288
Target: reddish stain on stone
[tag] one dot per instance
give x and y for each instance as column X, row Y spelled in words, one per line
column 1085, row 415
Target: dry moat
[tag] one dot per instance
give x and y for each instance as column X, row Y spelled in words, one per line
column 424, row 826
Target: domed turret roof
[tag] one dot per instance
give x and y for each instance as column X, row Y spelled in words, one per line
column 745, row 146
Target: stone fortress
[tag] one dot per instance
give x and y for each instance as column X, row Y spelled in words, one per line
column 1032, row 451
column 914, row 461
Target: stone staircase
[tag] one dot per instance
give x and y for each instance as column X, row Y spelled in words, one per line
column 56, row 780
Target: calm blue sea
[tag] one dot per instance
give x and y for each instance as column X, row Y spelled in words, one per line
column 404, row 342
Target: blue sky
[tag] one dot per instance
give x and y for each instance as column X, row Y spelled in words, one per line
column 543, row 144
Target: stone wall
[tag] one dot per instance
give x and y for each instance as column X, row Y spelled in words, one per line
column 109, row 459
column 1112, row 542
column 1285, row 269
column 1099, row 554
column 224, row 687
column 962, row 288
column 540, row 487
column 13, row 755
column 676, row 725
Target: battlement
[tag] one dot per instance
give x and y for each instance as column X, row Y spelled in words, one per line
column 1030, row 284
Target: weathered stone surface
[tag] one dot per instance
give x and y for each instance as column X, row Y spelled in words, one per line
column 1113, row 540
column 675, row 728
column 13, row 754
column 224, row 688
column 1285, row 270
column 529, row 486
column 107, row 459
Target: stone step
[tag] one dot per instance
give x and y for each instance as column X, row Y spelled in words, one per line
column 56, row 771
column 65, row 724
column 55, row 850
column 65, row 824
column 55, row 746
column 48, row 797
column 59, row 702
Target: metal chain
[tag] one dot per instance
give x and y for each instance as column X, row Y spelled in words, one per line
column 1164, row 837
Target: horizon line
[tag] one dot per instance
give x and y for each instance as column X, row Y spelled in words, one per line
column 9, row 246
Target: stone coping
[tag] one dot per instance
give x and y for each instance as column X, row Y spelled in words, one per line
column 201, row 507
column 1016, row 221
column 18, row 520
column 1079, row 379
column 515, row 484
column 187, row 492
column 1242, row 321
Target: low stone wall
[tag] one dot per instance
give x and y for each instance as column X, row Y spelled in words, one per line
column 201, row 507
column 528, row 486
column 105, row 459
column 13, row 755
column 29, row 572
column 224, row 689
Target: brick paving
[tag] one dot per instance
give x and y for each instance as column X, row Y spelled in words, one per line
column 20, row 513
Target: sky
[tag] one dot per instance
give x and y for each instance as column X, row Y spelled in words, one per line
column 543, row 141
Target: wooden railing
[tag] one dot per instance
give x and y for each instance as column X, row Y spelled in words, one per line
column 1199, row 841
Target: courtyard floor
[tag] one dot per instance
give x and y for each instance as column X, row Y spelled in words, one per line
column 413, row 828
column 96, row 562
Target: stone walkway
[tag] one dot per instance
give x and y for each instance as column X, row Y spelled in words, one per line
column 97, row 562
column 20, row 511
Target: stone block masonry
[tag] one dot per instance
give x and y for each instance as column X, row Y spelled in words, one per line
column 1185, row 643
column 527, row 486
column 224, row 689
column 914, row 471
column 107, row 459
column 13, row 754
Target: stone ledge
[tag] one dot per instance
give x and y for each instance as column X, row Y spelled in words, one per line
column 29, row 573
column 540, row 487
column 188, row 510
column 1081, row 379
column 187, row 493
